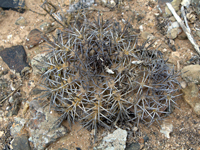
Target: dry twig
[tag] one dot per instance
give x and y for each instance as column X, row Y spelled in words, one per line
column 11, row 94
column 185, row 29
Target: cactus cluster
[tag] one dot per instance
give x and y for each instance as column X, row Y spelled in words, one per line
column 97, row 74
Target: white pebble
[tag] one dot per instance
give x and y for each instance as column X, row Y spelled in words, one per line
column 166, row 129
column 141, row 28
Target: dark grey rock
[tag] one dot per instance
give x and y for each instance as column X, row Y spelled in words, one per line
column 171, row 43
column 133, row 146
column 21, row 143
column 146, row 138
column 15, row 57
column 18, row 5
column 173, row 47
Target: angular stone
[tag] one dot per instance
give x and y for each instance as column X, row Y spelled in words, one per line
column 21, row 142
column 37, row 61
column 21, row 21
column 191, row 73
column 197, row 108
column 15, row 57
column 191, row 97
column 166, row 129
column 116, row 140
column 47, row 27
column 198, row 33
column 17, row 126
column 34, row 38
column 18, row 5
column 147, row 35
column 41, row 126
column 173, row 33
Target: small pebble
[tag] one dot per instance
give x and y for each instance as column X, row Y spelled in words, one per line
column 183, row 84
column 1, row 133
column 141, row 28
column 47, row 27
column 21, row 21
column 34, row 38
column 11, row 100
column 135, row 129
column 166, row 129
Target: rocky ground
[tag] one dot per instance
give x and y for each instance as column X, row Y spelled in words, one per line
column 28, row 122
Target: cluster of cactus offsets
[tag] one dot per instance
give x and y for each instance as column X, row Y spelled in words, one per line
column 97, row 74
